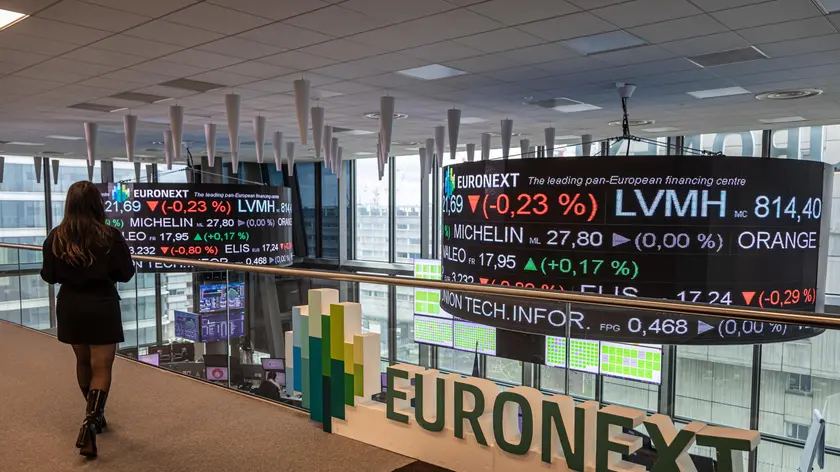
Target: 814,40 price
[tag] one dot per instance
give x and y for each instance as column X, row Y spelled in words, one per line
column 810, row 209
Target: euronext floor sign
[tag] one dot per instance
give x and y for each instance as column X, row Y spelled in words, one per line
column 465, row 423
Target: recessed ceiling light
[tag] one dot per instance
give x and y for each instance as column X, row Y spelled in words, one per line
column 633, row 123
column 412, row 149
column 576, row 108
column 432, row 72
column 24, row 143
column 162, row 121
column 567, row 137
column 119, row 109
column 66, row 138
column 358, row 132
column 720, row 92
column 792, row 94
column 784, row 119
column 374, row 115
column 320, row 93
column 8, row 18
column 404, row 143
column 731, row 56
column 499, row 135
column 829, row 6
column 140, row 97
column 471, row 120
column 364, row 153
column 664, row 129
column 604, row 42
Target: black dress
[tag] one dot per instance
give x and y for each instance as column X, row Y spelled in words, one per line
column 88, row 306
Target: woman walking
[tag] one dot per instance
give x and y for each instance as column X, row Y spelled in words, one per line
column 88, row 258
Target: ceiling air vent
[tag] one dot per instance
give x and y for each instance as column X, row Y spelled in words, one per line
column 732, row 56
column 140, row 97
column 194, row 85
column 95, row 107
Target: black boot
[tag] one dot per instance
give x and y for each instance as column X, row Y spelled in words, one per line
column 86, row 441
column 101, row 424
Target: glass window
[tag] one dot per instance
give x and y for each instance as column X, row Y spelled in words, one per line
column 713, row 384
column 407, row 170
column 371, row 211
column 451, row 360
column 305, row 175
column 581, row 384
column 504, row 370
column 746, row 143
column 374, row 301
column 329, row 213
column 407, row 349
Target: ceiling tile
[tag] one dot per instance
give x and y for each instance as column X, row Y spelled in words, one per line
column 137, row 76
column 285, row 36
column 776, row 11
column 215, row 18
column 62, row 64
column 103, row 57
column 636, row 55
column 93, row 16
column 427, row 30
column 297, row 60
column 64, row 32
column 138, row 46
column 272, row 8
column 483, row 63
column 150, row 8
column 26, row 43
column 593, row 4
column 642, row 12
column 570, row 26
column 25, row 6
column 442, row 52
column 499, row 40
column 223, row 77
column 523, row 11
column 393, row 11
column 714, row 5
column 576, row 64
column 39, row 71
column 258, row 69
column 26, row 85
column 241, row 48
column 343, row 50
column 682, row 28
column 516, row 74
column 347, row 70
column 827, row 42
column 706, row 44
column 21, row 58
column 789, row 30
column 169, row 69
column 172, row 33
column 338, row 21
column 203, row 59
column 541, row 53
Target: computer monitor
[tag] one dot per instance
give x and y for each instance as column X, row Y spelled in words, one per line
column 277, row 365
column 216, row 373
column 153, row 359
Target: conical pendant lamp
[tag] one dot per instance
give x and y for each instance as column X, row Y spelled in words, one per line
column 470, row 152
column 549, row 141
column 91, row 130
column 277, row 144
column 453, row 121
column 507, row 132
column 130, row 130
column 485, row 146
column 259, row 137
column 290, row 156
column 439, row 144
column 210, row 143
column 176, row 121
column 302, row 89
column 233, row 105
column 317, row 130
column 167, row 148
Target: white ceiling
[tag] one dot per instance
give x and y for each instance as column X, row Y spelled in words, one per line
column 72, row 51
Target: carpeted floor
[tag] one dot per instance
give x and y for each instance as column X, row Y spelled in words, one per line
column 158, row 422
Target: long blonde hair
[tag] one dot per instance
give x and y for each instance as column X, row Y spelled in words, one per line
column 83, row 227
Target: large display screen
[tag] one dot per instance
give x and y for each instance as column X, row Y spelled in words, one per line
column 220, row 297
column 711, row 229
column 187, row 326
column 246, row 224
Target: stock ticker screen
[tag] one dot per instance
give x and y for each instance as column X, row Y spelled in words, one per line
column 246, row 224
column 713, row 229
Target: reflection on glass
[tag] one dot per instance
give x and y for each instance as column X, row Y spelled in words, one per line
column 305, row 175
column 504, row 370
column 329, row 213
column 407, row 170
column 747, row 143
column 374, row 301
column 407, row 349
column 714, row 384
column 371, row 211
